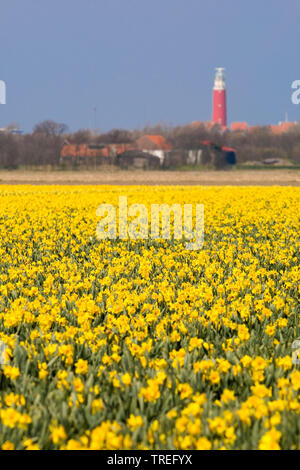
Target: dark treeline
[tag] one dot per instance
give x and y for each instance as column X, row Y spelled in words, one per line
column 42, row 147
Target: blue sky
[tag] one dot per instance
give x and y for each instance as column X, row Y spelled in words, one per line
column 144, row 61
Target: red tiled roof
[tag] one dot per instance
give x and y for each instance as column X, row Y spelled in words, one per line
column 159, row 141
column 285, row 126
column 238, row 126
column 275, row 129
column 228, row 149
column 253, row 128
column 281, row 128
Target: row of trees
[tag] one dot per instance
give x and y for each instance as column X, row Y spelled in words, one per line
column 42, row 147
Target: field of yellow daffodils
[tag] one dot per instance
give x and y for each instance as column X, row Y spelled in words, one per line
column 142, row 344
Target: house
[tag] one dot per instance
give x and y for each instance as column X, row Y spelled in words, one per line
column 282, row 127
column 157, row 145
column 153, row 142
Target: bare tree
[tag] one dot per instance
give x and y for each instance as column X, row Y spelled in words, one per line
column 13, row 126
column 82, row 136
column 115, row 136
column 50, row 127
column 9, row 150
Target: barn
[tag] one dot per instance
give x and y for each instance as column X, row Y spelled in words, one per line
column 90, row 155
column 206, row 153
column 138, row 159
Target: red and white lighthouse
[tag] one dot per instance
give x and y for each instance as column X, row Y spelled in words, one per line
column 219, row 98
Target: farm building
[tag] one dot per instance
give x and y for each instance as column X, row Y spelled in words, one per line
column 149, row 151
column 157, row 145
column 183, row 157
column 90, row 154
column 153, row 142
column 138, row 159
column 206, row 153
column 229, row 155
column 221, row 157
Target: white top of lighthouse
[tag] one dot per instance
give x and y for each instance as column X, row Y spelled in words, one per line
column 219, row 83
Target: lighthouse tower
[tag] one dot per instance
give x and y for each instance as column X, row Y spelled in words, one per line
column 219, row 98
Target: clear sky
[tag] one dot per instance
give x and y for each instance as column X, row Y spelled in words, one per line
column 144, row 61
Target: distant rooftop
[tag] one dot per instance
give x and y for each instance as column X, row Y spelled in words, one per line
column 279, row 128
